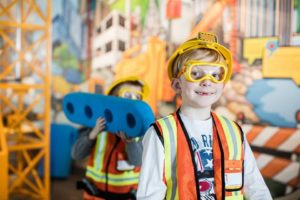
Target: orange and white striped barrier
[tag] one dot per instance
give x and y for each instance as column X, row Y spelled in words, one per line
column 283, row 170
column 279, row 169
column 276, row 138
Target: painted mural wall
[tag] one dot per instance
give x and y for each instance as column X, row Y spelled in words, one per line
column 136, row 38
column 96, row 42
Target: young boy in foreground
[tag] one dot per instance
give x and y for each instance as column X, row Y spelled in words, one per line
column 195, row 153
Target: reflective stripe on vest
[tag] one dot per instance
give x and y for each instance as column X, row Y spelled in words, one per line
column 168, row 127
column 95, row 171
column 233, row 138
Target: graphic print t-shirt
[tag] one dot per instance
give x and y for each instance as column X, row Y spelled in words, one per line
column 200, row 133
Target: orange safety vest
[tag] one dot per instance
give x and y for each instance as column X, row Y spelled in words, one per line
column 180, row 167
column 102, row 166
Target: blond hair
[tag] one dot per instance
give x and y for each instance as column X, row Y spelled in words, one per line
column 203, row 54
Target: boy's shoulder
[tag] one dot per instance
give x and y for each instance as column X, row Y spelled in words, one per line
column 227, row 122
column 220, row 116
column 167, row 117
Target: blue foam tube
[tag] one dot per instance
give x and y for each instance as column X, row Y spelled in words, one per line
column 133, row 117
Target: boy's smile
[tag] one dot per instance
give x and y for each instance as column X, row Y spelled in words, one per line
column 205, row 93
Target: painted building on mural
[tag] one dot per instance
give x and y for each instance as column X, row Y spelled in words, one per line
column 110, row 41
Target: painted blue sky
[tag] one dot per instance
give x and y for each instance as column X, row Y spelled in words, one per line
column 57, row 6
column 275, row 101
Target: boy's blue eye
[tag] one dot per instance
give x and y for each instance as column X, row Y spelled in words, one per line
column 196, row 74
column 216, row 76
column 129, row 95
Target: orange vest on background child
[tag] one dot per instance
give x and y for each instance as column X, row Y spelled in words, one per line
column 103, row 170
column 228, row 156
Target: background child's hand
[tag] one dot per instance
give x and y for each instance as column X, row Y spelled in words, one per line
column 100, row 125
column 123, row 137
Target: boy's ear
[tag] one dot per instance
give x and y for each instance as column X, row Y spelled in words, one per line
column 176, row 85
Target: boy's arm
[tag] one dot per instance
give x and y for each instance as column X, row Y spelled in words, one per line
column 134, row 151
column 254, row 184
column 83, row 146
column 133, row 148
column 151, row 184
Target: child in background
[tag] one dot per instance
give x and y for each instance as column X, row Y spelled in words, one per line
column 195, row 153
column 113, row 168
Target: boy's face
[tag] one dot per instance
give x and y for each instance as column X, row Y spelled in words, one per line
column 199, row 94
column 130, row 91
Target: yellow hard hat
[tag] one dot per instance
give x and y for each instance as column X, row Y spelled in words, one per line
column 204, row 40
column 145, row 87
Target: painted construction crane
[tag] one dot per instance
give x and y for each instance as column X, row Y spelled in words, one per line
column 149, row 65
column 25, row 60
column 212, row 14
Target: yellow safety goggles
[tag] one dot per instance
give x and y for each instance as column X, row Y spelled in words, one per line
column 130, row 93
column 194, row 71
column 206, row 41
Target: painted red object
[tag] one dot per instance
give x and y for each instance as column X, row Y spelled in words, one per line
column 173, row 9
